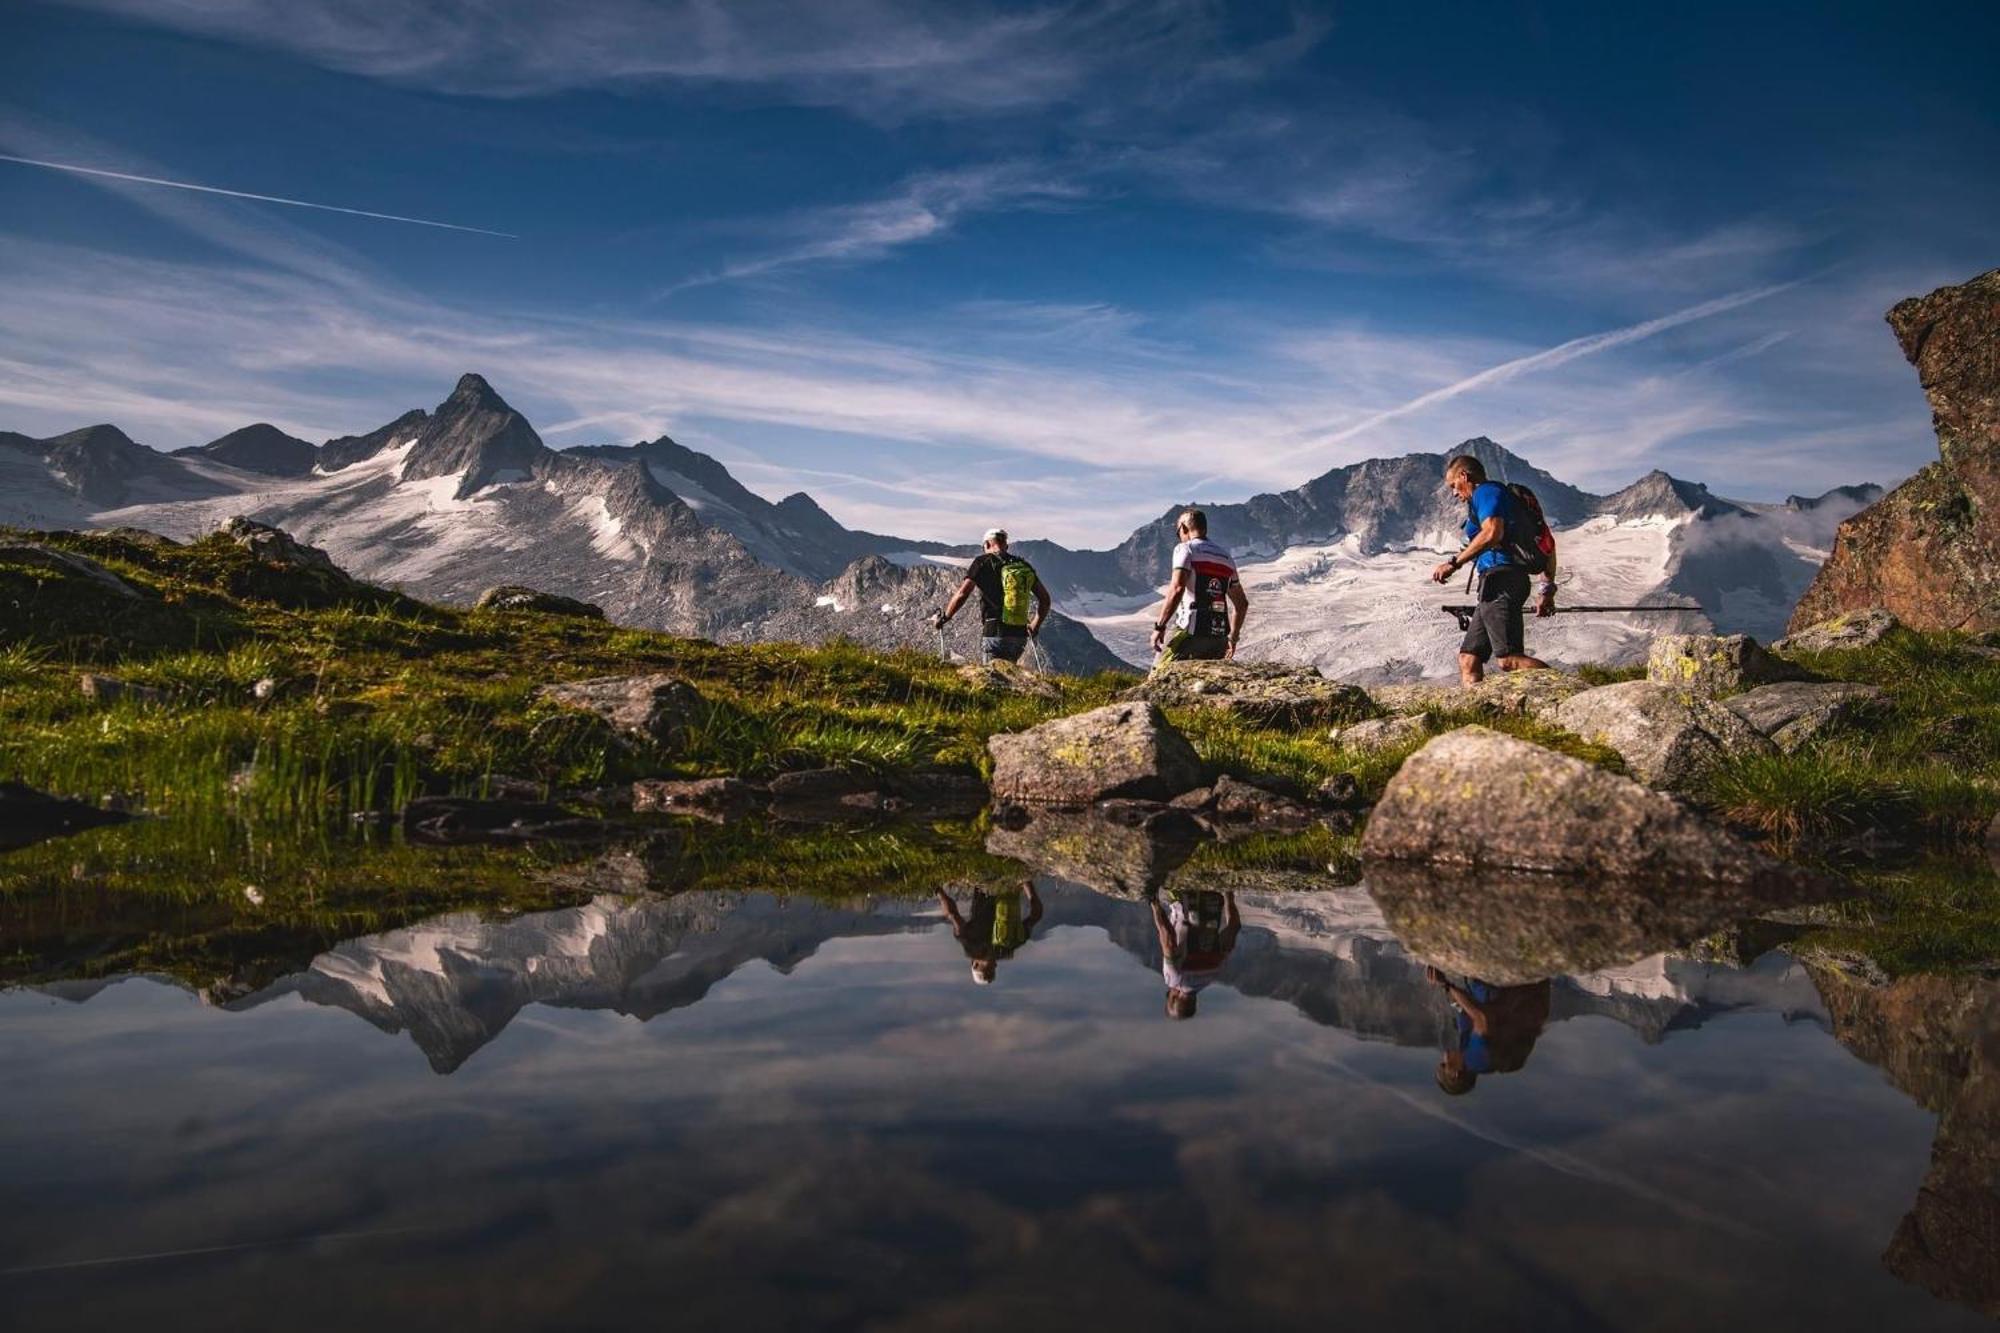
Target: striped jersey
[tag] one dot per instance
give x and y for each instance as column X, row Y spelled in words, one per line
column 1211, row 571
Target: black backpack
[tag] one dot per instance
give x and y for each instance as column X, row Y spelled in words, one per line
column 1528, row 541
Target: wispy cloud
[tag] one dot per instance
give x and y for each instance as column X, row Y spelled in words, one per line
column 130, row 178
column 924, row 208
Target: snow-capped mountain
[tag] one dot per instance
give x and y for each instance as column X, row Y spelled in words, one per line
column 447, row 503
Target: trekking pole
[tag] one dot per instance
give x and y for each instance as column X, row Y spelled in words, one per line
column 1464, row 614
column 1041, row 662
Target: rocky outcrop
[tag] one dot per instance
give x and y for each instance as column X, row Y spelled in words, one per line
column 1267, row 693
column 1715, row 664
column 1559, row 816
column 1517, row 693
column 714, row 796
column 28, row 816
column 1120, row 750
column 518, row 597
column 34, row 555
column 1007, row 678
column 1853, row 629
column 654, row 708
column 275, row 546
column 1793, row 712
column 1929, row 551
column 1667, row 736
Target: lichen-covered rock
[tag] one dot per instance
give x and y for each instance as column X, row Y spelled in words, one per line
column 1122, row 749
column 653, row 708
column 1383, row 733
column 1122, row 853
column 1668, row 737
column 28, row 816
column 1715, row 664
column 1852, row 629
column 1007, row 678
column 1518, row 693
column 518, row 597
column 1793, row 712
column 1929, row 551
column 1234, row 800
column 275, row 546
column 1268, row 693
column 1479, row 800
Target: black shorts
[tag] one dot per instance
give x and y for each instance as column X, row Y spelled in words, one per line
column 1496, row 622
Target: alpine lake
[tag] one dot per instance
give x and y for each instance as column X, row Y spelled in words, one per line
column 925, row 1075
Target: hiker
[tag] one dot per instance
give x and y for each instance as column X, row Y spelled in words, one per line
column 1006, row 585
column 1502, row 544
column 1197, row 933
column 992, row 927
column 1199, row 601
column 1494, row 1029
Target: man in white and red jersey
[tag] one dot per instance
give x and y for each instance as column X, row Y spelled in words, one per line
column 1205, row 604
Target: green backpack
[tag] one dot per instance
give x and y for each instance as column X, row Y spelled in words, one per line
column 1017, row 592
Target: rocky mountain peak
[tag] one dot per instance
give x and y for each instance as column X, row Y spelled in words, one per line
column 1661, row 495
column 261, row 447
column 475, row 435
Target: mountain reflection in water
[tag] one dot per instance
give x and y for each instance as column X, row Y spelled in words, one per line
column 768, row 1112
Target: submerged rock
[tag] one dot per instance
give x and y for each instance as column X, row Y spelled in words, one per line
column 1854, row 629
column 1480, row 800
column 1123, row 851
column 1929, row 551
column 463, row 819
column 1123, row 749
column 1793, row 712
column 517, row 597
column 1668, row 737
column 656, row 708
column 1268, row 693
column 28, row 816
column 1715, row 664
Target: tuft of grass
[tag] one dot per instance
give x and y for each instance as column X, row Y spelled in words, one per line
column 1594, row 674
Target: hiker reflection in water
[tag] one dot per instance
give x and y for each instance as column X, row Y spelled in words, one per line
column 1197, row 931
column 1495, row 1029
column 993, row 926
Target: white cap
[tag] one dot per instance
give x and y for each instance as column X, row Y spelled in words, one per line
column 995, row 535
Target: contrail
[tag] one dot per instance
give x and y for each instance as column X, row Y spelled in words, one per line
column 245, row 194
column 1560, row 354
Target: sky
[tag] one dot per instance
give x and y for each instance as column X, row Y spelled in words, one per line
column 1051, row 265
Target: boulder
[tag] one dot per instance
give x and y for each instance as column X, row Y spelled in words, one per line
column 655, row 708
column 1123, row 850
column 1235, row 801
column 1929, row 551
column 707, row 795
column 1122, row 749
column 821, row 784
column 34, row 555
column 1270, row 694
column 1715, row 664
column 1854, row 629
column 1793, row 712
column 110, row 690
column 1666, row 736
column 275, row 546
column 1479, row 800
column 1520, row 693
column 516, row 597
column 1385, row 733
column 1008, row 678
column 28, row 816
column 1341, row 791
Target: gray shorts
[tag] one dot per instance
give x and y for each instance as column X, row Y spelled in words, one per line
column 1496, row 622
column 1002, row 647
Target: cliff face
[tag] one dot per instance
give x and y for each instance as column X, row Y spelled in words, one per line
column 1930, row 550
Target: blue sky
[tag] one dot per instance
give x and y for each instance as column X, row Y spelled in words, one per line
column 1052, row 265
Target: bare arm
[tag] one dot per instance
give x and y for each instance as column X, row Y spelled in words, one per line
column 1162, row 929
column 1239, row 603
column 1041, row 609
column 1034, row 908
column 951, row 910
column 1175, row 591
column 1232, row 924
column 957, row 599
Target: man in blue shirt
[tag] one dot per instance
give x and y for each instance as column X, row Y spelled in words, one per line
column 1494, row 522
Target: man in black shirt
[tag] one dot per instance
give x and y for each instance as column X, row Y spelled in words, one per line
column 1006, row 584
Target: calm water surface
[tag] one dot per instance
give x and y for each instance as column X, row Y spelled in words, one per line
column 736, row 1110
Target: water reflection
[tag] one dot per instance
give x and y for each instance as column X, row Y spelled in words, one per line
column 993, row 926
column 1493, row 1028
column 1197, row 930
